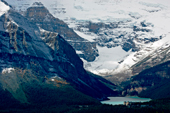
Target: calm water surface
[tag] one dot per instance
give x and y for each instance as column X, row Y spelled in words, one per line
column 120, row 100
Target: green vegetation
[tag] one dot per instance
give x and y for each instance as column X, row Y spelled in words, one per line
column 40, row 94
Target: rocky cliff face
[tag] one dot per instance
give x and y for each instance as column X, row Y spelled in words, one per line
column 39, row 15
column 22, row 48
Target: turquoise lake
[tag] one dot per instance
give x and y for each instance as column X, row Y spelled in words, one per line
column 120, row 100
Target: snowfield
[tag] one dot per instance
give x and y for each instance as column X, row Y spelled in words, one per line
column 107, row 61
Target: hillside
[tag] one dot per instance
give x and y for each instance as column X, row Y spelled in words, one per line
column 152, row 83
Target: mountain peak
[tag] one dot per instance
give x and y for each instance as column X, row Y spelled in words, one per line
column 37, row 4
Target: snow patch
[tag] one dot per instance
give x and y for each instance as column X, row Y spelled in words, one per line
column 7, row 70
column 3, row 8
column 79, row 52
column 52, row 79
column 85, row 36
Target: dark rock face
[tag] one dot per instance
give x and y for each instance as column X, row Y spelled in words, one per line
column 136, row 29
column 42, row 18
column 95, row 27
column 22, row 48
column 128, row 45
column 49, row 39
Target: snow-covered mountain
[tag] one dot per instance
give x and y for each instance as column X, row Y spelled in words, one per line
column 126, row 31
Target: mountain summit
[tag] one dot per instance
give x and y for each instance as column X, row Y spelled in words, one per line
column 39, row 14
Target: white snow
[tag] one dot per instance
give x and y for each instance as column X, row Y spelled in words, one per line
column 109, row 10
column 52, row 79
column 7, row 70
column 107, row 61
column 79, row 52
column 3, row 8
column 85, row 36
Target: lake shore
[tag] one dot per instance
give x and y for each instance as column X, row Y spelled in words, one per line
column 121, row 100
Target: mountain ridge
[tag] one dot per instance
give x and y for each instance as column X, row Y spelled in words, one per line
column 21, row 47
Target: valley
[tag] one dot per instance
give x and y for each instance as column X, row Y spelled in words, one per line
column 62, row 56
